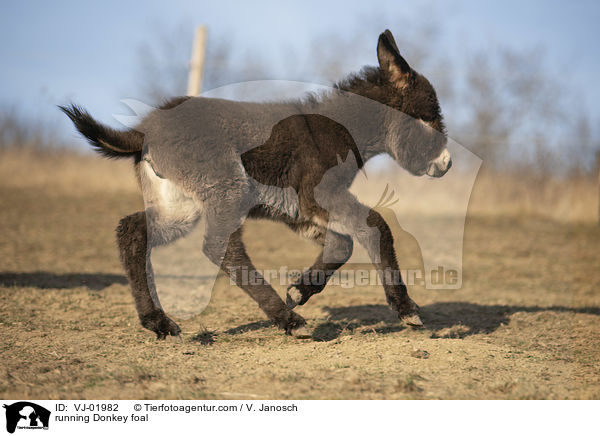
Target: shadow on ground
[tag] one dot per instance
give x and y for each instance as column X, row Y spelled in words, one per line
column 443, row 320
column 46, row 280
column 249, row 327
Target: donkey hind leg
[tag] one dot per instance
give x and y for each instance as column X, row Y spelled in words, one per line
column 223, row 245
column 134, row 249
column 337, row 249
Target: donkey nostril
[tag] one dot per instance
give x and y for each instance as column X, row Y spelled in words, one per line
column 449, row 164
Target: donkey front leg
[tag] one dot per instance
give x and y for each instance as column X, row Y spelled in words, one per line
column 132, row 235
column 338, row 249
column 347, row 215
column 395, row 291
column 235, row 258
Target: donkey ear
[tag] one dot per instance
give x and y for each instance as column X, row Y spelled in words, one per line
column 390, row 60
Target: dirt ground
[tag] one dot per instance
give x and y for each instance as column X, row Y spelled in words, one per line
column 525, row 324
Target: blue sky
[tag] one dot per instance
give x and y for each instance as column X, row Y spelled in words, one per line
column 61, row 51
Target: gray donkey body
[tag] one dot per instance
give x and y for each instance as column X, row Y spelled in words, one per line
column 291, row 161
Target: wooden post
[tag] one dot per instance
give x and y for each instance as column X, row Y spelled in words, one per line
column 598, row 171
column 197, row 62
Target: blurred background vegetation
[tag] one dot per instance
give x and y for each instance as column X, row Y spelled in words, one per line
column 509, row 105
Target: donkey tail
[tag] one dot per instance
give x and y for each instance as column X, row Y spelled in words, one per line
column 106, row 140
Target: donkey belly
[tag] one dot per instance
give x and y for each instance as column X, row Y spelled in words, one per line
column 171, row 212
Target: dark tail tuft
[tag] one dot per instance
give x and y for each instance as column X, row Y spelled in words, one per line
column 106, row 140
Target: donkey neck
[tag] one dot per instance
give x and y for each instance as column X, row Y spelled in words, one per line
column 363, row 117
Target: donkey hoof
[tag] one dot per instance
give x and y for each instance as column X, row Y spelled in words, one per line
column 175, row 339
column 412, row 320
column 293, row 297
column 160, row 324
column 172, row 336
column 167, row 329
column 301, row 333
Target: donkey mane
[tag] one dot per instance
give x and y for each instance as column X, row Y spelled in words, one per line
column 370, row 82
column 354, row 81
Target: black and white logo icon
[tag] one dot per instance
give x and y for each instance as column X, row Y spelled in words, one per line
column 26, row 415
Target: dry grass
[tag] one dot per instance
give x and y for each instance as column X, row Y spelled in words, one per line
column 573, row 199
column 65, row 173
column 524, row 325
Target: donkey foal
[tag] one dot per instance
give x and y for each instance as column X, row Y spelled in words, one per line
column 290, row 161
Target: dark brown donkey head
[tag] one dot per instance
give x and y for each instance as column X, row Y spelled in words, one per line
column 416, row 136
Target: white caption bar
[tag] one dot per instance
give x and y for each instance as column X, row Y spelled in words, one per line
column 249, row 417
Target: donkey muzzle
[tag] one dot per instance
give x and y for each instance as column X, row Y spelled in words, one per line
column 440, row 165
